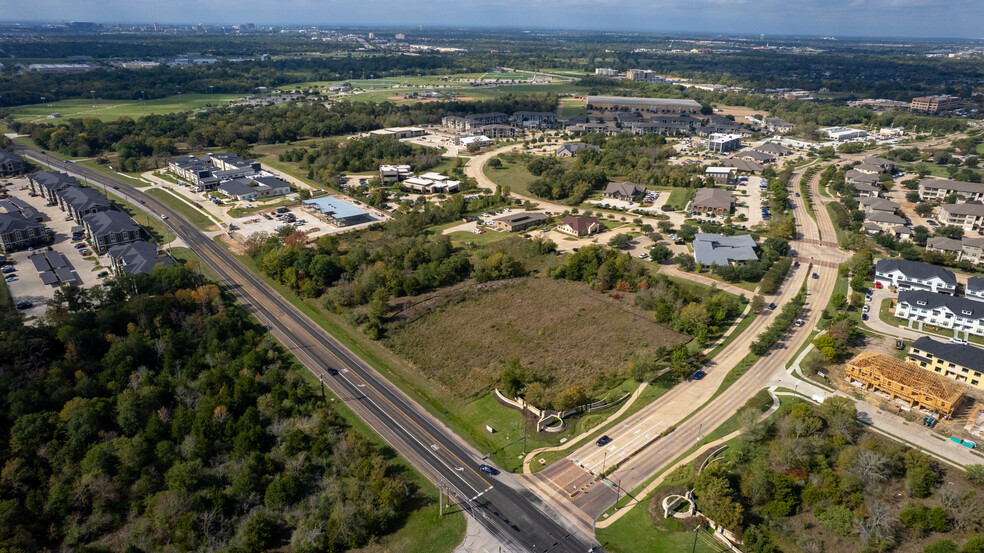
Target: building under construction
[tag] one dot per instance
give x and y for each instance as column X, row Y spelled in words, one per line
column 906, row 381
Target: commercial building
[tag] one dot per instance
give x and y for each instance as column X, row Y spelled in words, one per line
column 536, row 119
column 959, row 362
column 941, row 310
column 626, row 191
column 842, row 134
column 934, row 104
column 519, row 221
column 713, row 200
column 905, row 381
column 912, row 275
column 11, row 163
column 432, row 183
column 721, row 175
column 717, row 249
column 474, row 121
column 110, row 228
column 665, row 124
column 137, row 257
column 642, row 75
column 394, row 173
column 606, row 72
column 774, row 124
column 478, row 139
column 940, row 188
column 249, row 189
column 723, row 143
column 399, row 132
column 580, row 226
column 337, row 212
column 654, row 105
column 18, row 232
column 774, row 149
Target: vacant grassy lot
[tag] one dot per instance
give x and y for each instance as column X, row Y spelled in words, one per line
column 512, row 173
column 560, row 329
column 679, row 197
column 111, row 110
column 194, row 215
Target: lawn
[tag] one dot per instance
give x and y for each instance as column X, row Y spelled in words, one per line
column 133, row 179
column 549, row 324
column 467, row 237
column 111, row 110
column 635, row 533
column 512, row 173
column 194, row 215
column 571, row 107
column 679, row 198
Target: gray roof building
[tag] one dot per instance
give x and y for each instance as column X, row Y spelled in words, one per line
column 713, row 199
column 623, row 190
column 717, row 249
column 11, row 163
column 137, row 257
column 960, row 354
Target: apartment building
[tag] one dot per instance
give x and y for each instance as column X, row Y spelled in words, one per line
column 960, row 362
column 654, row 105
column 968, row 216
column 912, row 275
column 940, row 188
column 941, row 310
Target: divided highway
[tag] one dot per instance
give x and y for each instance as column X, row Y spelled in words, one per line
column 515, row 516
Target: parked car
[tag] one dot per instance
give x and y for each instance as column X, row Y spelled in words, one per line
column 488, row 469
column 815, row 275
column 24, row 305
column 799, row 322
column 102, row 274
column 11, row 278
column 864, row 316
column 899, row 344
column 866, row 309
column 603, row 441
column 958, row 341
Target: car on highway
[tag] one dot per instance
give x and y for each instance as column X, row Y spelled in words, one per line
column 333, row 372
column 699, row 375
column 164, row 217
column 603, row 441
column 488, row 469
column 799, row 322
column 772, row 306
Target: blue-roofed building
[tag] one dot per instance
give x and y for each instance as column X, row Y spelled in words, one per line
column 338, row 212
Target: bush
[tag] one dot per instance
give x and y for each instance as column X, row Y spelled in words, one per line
column 942, row 546
column 774, row 276
column 837, row 519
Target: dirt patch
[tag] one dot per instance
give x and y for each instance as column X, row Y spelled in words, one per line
column 561, row 330
column 234, row 245
column 738, row 111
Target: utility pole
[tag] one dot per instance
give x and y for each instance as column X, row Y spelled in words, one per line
column 440, row 498
column 695, row 539
column 603, row 460
column 618, row 492
column 93, row 92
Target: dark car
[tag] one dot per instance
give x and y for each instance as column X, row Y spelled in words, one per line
column 815, row 275
column 604, row 440
column 333, row 372
column 102, row 274
column 864, row 316
column 772, row 306
column 487, row 469
column 899, row 344
column 24, row 305
column 698, row 375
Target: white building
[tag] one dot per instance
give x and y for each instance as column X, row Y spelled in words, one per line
column 961, row 314
column 842, row 134
column 432, row 183
column 912, row 275
column 606, row 72
column 723, row 143
column 394, row 173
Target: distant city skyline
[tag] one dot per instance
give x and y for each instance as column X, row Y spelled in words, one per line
column 845, row 18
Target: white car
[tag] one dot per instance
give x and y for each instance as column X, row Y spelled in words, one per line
column 958, row 341
column 866, row 309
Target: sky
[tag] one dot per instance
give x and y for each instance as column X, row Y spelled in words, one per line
column 893, row 18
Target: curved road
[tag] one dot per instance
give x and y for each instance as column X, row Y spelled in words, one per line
column 510, row 513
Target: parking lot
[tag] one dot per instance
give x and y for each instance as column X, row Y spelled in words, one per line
column 29, row 286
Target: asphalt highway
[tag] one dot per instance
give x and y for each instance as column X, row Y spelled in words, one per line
column 513, row 515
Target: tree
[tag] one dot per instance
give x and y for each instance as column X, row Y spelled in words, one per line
column 923, row 209
column 838, row 301
column 660, row 253
column 571, row 397
column 912, row 197
column 975, row 473
column 495, row 163
column 758, row 303
column 642, row 366
column 620, row 241
column 685, row 262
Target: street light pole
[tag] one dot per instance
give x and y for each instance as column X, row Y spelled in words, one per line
column 93, row 92
column 696, row 530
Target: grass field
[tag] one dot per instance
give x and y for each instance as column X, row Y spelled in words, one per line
column 111, row 110
column 679, row 197
column 573, row 107
column 512, row 173
column 468, row 237
column 194, row 216
column 132, row 179
column 559, row 329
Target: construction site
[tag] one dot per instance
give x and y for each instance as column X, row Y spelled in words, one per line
column 905, row 384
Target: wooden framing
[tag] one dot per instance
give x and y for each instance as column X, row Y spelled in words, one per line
column 906, row 381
